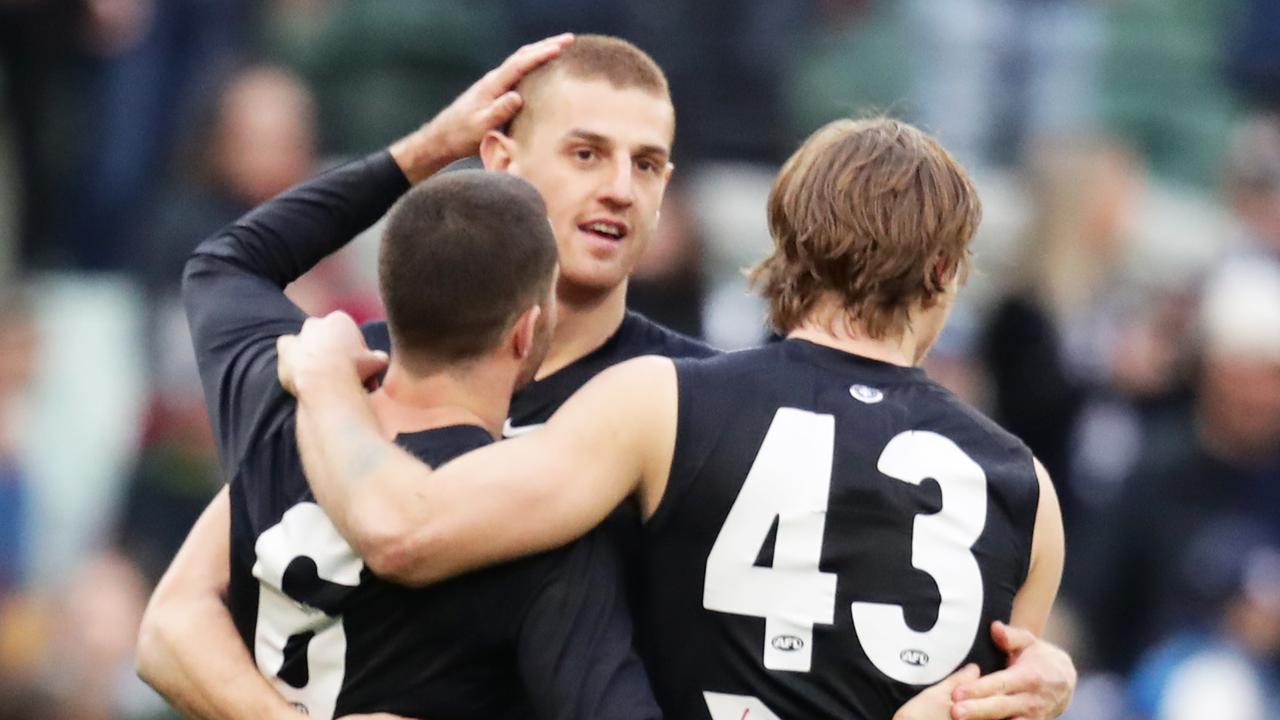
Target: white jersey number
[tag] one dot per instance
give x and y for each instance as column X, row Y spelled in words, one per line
column 789, row 482
column 304, row 532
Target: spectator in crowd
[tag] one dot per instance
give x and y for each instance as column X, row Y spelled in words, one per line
column 1253, row 56
column 1068, row 345
column 1223, row 666
column 17, row 363
column 1252, row 178
column 261, row 139
column 1222, row 461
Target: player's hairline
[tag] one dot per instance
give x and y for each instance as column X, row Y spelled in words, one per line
column 536, row 83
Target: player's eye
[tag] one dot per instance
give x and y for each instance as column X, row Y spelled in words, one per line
column 646, row 165
column 585, row 154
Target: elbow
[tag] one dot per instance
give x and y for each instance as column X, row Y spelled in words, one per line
column 396, row 552
column 155, row 636
column 193, row 272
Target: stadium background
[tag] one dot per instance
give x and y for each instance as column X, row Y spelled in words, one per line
column 1124, row 317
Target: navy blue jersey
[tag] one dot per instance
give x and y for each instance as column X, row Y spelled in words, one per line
column 836, row 534
column 637, row 336
column 548, row 636
column 535, row 403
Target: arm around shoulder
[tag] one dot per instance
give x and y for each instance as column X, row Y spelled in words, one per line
column 611, row 440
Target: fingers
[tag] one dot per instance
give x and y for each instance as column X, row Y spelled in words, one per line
column 1011, row 639
column 369, row 364
column 1004, row 682
column 284, row 373
column 504, row 108
column 966, row 674
column 506, row 75
column 998, row 708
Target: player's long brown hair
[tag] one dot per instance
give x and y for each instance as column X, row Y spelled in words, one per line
column 873, row 213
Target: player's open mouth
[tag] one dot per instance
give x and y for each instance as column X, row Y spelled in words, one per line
column 605, row 229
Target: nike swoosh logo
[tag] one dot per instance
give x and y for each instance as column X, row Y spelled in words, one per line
column 510, row 431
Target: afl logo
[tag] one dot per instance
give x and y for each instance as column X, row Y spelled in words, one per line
column 868, row 395
column 787, row 643
column 918, row 658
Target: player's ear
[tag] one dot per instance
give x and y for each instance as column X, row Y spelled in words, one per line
column 497, row 151
column 524, row 333
column 938, row 281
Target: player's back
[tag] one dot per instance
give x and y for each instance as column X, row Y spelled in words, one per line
column 836, row 533
column 496, row 643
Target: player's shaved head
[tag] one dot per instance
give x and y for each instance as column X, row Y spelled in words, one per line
column 590, row 57
column 463, row 255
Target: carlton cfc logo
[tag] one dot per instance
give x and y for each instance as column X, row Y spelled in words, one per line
column 866, row 394
column 787, row 643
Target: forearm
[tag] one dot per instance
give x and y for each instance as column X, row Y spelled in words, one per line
column 192, row 655
column 414, row 526
column 361, row 479
column 285, row 237
column 188, row 646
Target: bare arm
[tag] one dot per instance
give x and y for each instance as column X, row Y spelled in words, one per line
column 1041, row 678
column 1035, row 599
column 611, row 440
column 188, row 647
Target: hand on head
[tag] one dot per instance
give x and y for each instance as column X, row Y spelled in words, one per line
column 327, row 349
column 487, row 105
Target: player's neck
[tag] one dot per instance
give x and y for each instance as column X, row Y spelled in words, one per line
column 852, row 338
column 585, row 319
column 828, row 323
column 883, row 350
column 478, row 394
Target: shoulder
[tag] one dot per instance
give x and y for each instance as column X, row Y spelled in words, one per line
column 440, row 445
column 632, row 397
column 977, row 422
column 646, row 337
column 640, row 376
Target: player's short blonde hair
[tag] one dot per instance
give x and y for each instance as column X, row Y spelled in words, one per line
column 873, row 213
column 592, row 57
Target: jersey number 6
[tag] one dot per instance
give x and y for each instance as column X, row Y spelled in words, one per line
column 305, row 569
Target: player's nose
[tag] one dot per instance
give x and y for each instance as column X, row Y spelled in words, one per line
column 619, row 186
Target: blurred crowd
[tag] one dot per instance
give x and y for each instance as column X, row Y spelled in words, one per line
column 1124, row 317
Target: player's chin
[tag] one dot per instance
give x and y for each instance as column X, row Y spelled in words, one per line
column 595, row 274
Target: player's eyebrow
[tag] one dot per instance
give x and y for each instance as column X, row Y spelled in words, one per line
column 590, row 137
column 655, row 151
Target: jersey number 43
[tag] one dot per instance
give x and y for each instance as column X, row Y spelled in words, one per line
column 790, row 481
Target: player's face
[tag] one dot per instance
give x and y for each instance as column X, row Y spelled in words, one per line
column 600, row 156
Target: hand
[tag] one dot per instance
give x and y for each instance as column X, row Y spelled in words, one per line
column 934, row 703
column 328, row 349
column 487, row 105
column 1037, row 685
